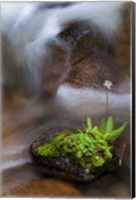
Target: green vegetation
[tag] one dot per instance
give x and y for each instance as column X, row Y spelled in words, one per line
column 89, row 148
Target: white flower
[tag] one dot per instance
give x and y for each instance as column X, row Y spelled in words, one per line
column 108, row 84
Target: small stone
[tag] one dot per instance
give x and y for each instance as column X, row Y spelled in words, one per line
column 87, row 171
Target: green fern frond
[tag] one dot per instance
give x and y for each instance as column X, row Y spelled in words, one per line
column 88, row 124
column 98, row 135
column 114, row 134
column 102, row 126
column 88, row 147
column 109, row 124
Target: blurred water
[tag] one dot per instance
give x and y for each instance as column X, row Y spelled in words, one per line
column 26, row 53
column 26, row 42
column 67, row 110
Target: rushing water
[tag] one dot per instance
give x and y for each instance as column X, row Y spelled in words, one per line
column 27, row 41
column 68, row 110
column 25, row 119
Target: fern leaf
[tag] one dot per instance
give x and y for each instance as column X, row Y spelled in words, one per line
column 89, row 123
column 109, row 124
column 102, row 127
column 95, row 131
column 114, row 134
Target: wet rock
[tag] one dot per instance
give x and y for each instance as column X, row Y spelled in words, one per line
column 63, row 167
column 96, row 58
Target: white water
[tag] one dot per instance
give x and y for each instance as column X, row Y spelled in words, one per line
column 85, row 101
column 75, row 103
column 29, row 30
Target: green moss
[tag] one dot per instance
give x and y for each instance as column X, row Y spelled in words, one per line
column 89, row 148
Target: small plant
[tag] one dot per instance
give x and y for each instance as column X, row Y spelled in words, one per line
column 89, row 147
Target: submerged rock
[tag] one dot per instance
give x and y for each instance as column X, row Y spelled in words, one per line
column 44, row 188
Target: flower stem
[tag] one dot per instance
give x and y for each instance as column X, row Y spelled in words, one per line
column 107, row 104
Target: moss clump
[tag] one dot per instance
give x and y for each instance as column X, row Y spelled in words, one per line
column 90, row 148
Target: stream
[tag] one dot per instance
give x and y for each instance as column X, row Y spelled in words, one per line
column 67, row 110
column 56, row 57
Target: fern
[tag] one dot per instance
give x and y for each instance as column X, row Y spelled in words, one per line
column 84, row 146
column 102, row 127
column 98, row 135
column 88, row 126
column 89, row 122
column 114, row 134
column 109, row 125
column 105, row 131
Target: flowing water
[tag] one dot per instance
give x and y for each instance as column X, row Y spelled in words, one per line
column 25, row 119
column 68, row 110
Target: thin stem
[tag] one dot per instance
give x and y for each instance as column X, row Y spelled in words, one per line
column 107, row 103
column 122, row 153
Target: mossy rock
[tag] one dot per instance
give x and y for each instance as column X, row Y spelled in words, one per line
column 64, row 167
column 82, row 154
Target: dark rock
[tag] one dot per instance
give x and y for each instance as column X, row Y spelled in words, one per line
column 63, row 167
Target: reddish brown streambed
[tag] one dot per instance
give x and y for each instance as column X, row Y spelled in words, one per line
column 107, row 186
